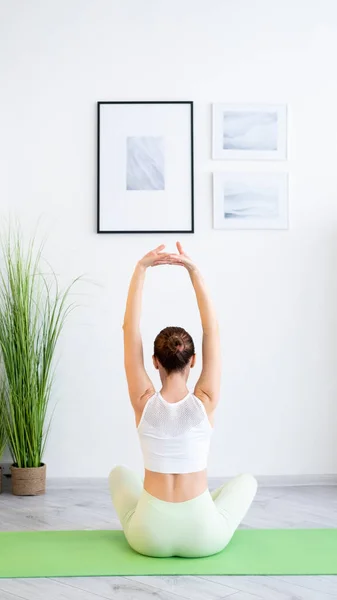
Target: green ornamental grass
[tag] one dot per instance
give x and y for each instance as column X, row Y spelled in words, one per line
column 2, row 428
column 32, row 314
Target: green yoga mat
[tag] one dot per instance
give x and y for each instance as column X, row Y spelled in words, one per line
column 93, row 553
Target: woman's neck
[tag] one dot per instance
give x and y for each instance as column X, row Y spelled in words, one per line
column 174, row 387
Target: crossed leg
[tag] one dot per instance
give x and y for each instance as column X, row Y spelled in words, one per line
column 125, row 488
column 234, row 498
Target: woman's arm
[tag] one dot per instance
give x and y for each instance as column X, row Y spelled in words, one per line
column 208, row 385
column 139, row 384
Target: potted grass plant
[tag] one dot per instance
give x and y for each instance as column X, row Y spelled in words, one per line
column 2, row 437
column 32, row 315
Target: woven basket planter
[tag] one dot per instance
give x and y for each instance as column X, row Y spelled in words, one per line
column 29, row 481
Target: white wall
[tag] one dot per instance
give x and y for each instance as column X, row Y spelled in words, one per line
column 276, row 292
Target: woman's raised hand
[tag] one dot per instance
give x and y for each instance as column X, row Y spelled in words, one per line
column 180, row 259
column 156, row 256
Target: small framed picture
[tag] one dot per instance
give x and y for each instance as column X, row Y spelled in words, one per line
column 249, row 131
column 250, row 200
column 145, row 167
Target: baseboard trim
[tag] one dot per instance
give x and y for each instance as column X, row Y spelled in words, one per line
column 286, row 480
column 263, row 481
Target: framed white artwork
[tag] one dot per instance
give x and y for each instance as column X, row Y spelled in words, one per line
column 250, row 200
column 249, row 131
column 145, row 167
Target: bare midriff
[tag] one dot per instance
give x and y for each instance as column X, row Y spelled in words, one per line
column 175, row 487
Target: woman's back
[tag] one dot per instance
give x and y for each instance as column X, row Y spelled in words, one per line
column 175, row 438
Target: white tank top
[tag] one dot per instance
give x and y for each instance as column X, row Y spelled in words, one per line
column 174, row 437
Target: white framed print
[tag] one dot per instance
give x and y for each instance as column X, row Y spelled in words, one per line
column 145, row 167
column 250, row 200
column 249, row 131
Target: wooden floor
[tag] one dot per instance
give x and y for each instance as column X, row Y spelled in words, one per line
column 86, row 505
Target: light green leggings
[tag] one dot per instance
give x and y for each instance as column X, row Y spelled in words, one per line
column 194, row 528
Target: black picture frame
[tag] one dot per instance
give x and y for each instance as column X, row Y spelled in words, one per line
column 186, row 102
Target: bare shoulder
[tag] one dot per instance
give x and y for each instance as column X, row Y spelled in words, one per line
column 205, row 397
column 207, row 403
column 139, row 406
column 198, row 393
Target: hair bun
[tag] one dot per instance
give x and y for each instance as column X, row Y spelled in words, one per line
column 175, row 343
column 173, row 348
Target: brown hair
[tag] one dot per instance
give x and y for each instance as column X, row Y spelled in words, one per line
column 174, row 348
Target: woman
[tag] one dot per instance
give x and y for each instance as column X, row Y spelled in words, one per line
column 171, row 512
